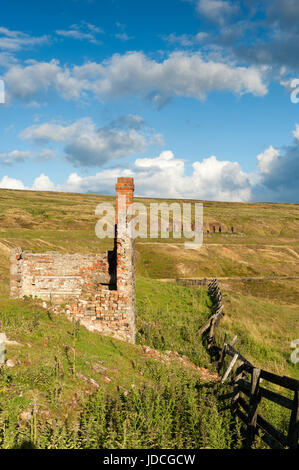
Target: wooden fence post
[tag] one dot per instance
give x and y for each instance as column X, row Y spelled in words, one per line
column 255, row 398
column 222, row 354
column 235, row 397
column 293, row 434
column 211, row 334
column 230, row 367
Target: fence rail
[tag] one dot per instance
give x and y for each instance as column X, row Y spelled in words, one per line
column 254, row 392
column 246, row 384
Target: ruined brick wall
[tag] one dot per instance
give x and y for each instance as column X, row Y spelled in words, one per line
column 99, row 288
column 55, row 276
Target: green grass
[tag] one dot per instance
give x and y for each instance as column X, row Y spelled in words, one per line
column 147, row 403
column 265, row 243
column 264, row 316
column 168, row 317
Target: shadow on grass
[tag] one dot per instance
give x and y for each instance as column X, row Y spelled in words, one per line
column 26, row 445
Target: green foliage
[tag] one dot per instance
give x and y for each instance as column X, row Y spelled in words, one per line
column 149, row 404
column 168, row 317
column 177, row 413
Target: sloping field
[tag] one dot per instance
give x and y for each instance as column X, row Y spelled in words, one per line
column 64, row 377
column 265, row 242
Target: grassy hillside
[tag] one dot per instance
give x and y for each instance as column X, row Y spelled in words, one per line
column 70, row 388
column 266, row 319
column 73, row 388
column 265, row 245
column 266, row 242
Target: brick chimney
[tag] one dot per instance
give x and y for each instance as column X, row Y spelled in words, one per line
column 124, row 187
column 125, row 251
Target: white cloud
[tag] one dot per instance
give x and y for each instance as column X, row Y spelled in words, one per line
column 185, row 40
column 56, row 132
column 296, row 132
column 23, row 82
column 201, row 35
column 216, row 10
column 210, row 179
column 11, row 183
column 161, row 176
column 16, row 156
column 82, row 31
column 43, row 183
column 16, row 40
column 45, row 154
column 124, row 37
column 7, row 59
column 165, row 176
column 97, row 147
column 266, row 159
column 21, row 156
column 182, row 74
column 74, row 34
column 102, row 182
column 279, row 174
column 86, row 145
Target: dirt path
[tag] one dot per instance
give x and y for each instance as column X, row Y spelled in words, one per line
column 179, row 244
column 173, row 357
column 242, row 279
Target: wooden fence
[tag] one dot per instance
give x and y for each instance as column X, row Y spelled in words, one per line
column 247, row 390
column 218, row 312
column 247, row 381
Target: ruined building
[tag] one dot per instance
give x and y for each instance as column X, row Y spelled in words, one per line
column 99, row 288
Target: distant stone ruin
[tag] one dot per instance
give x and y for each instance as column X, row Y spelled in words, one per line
column 99, row 288
column 216, row 227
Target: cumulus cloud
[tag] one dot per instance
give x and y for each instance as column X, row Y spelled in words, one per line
column 43, row 183
column 102, row 182
column 24, row 82
column 255, row 32
column 285, row 13
column 216, row 10
column 182, row 74
column 166, row 176
column 45, row 154
column 87, row 145
column 11, row 183
column 21, row 156
column 274, row 40
column 7, row 59
column 296, row 132
column 278, row 50
column 16, row 156
column 278, row 180
column 98, row 147
column 48, row 132
column 266, row 159
column 130, row 121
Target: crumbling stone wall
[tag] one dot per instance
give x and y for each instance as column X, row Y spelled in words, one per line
column 55, row 276
column 99, row 288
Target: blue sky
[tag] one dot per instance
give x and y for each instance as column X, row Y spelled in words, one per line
column 191, row 97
